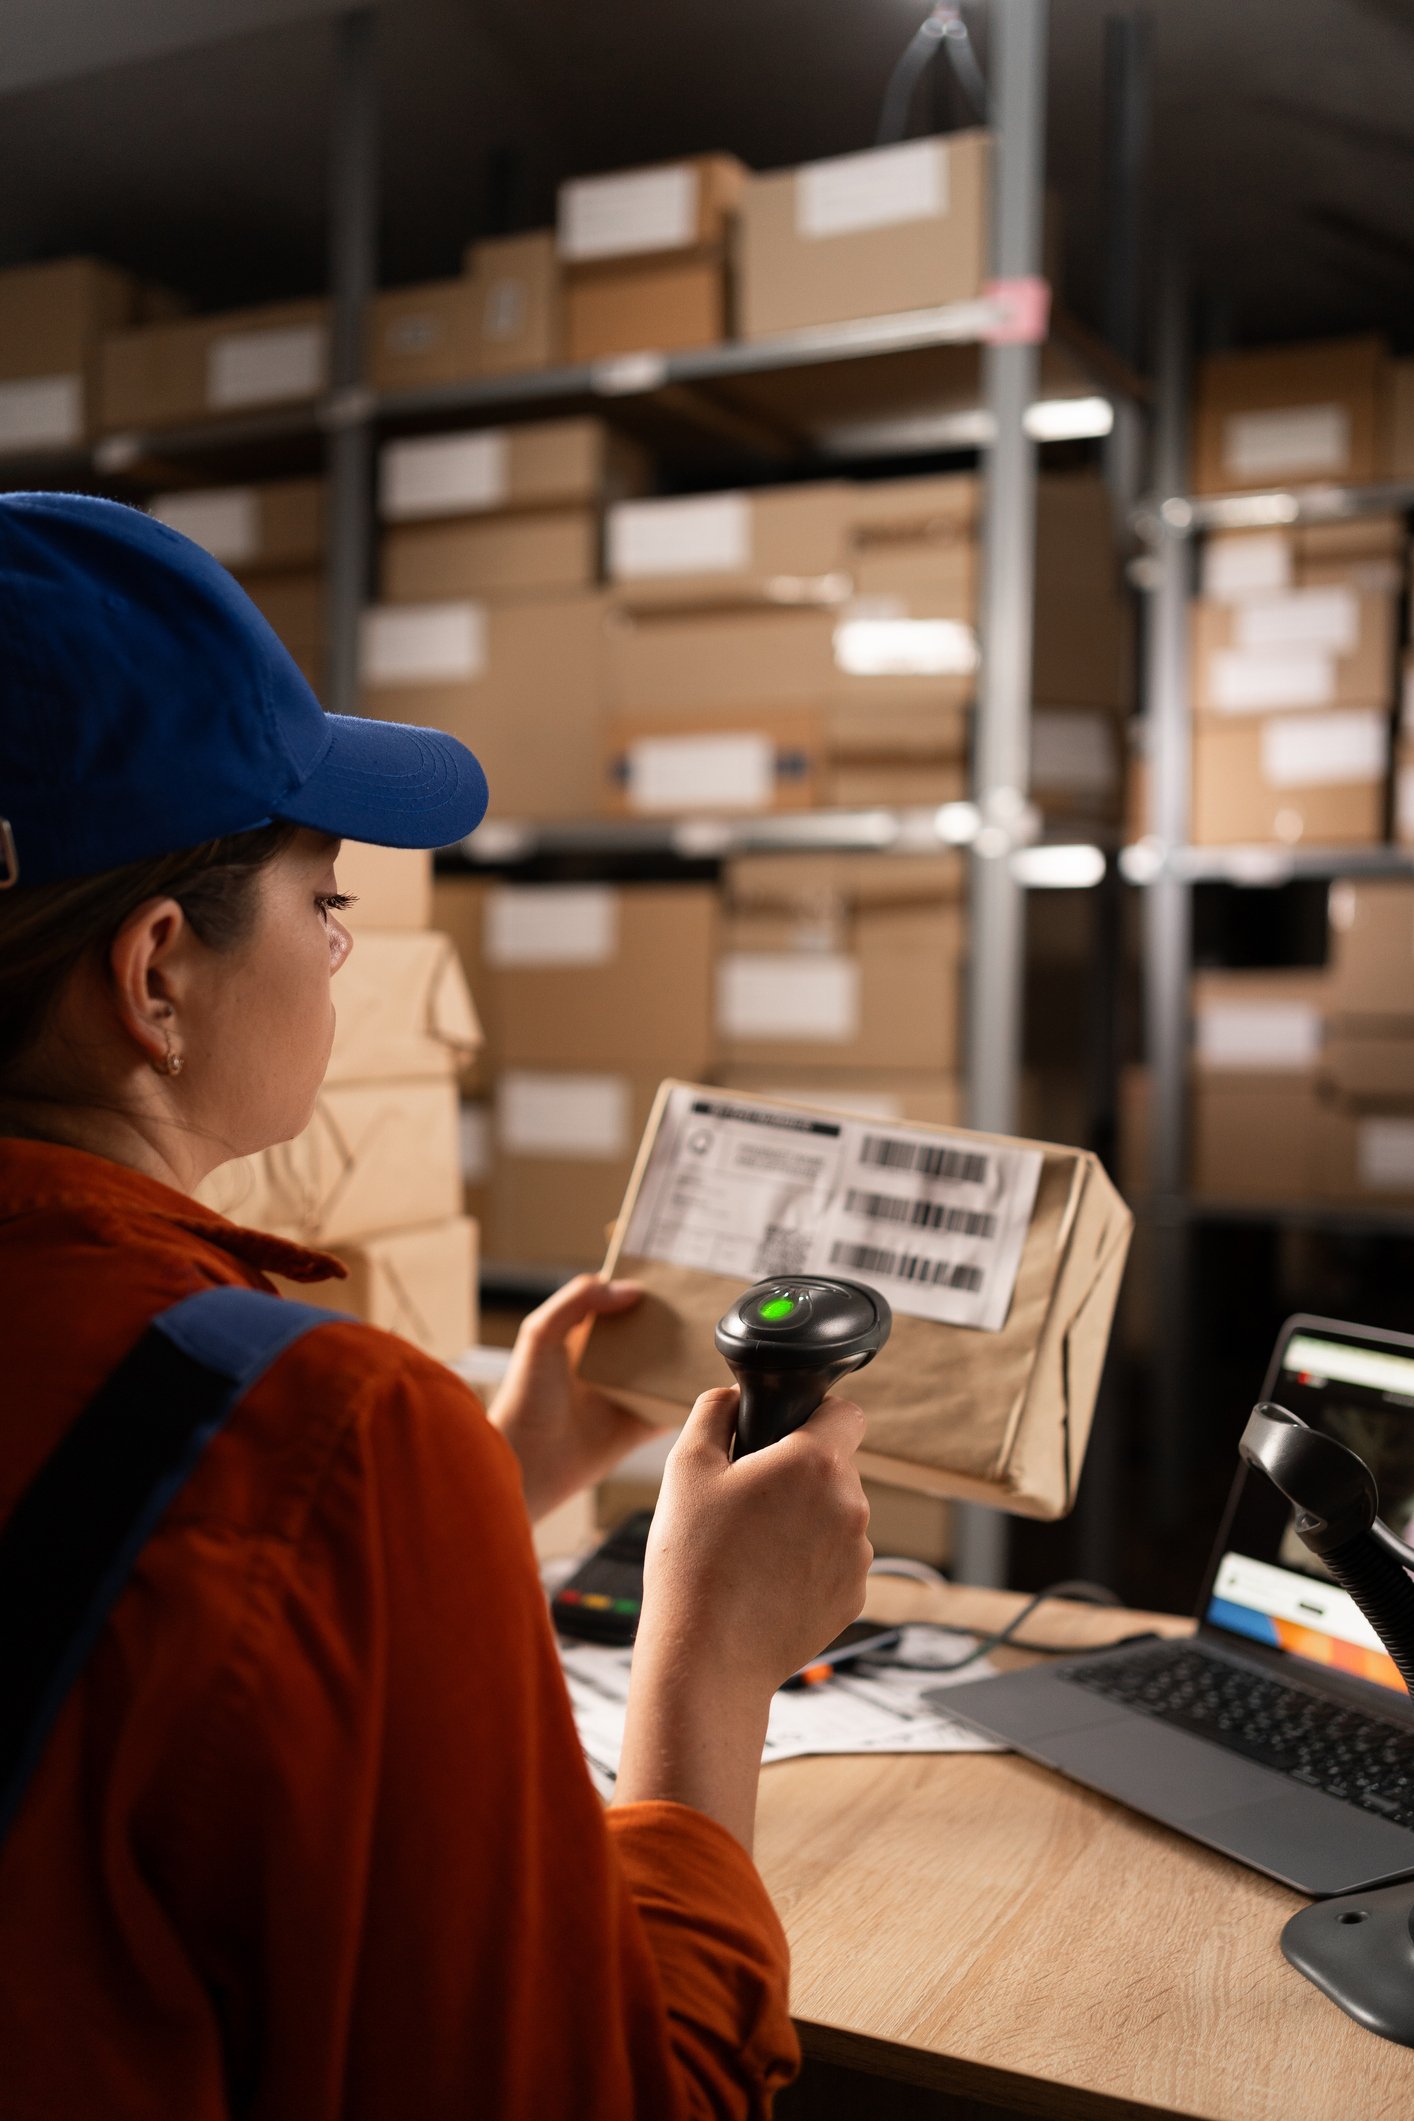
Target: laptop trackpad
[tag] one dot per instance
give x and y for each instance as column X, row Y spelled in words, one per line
column 1157, row 1770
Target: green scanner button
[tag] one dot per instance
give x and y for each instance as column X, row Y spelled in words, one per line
column 777, row 1307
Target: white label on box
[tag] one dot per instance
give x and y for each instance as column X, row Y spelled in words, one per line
column 1307, row 750
column 1073, row 752
column 1257, row 1034
column 422, row 644
column 1384, row 1154
column 937, row 1221
column 265, row 367
column 778, row 994
column 736, row 772
column 587, row 1116
column 1249, row 681
column 1327, row 619
column 474, row 1129
column 1255, row 563
column 41, row 412
column 706, row 535
column 896, row 648
column 439, row 475
column 552, row 924
column 627, row 216
column 504, row 308
column 225, row 520
column 1286, row 442
column 885, row 185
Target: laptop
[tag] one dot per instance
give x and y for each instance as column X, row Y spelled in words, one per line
column 1280, row 1733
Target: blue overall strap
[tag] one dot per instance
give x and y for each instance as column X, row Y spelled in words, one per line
column 74, row 1535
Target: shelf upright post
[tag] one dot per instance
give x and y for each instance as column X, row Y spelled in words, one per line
column 1168, row 910
column 353, row 273
column 1017, row 46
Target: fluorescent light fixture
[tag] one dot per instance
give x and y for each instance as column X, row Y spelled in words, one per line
column 1069, row 419
column 1077, row 868
column 876, row 648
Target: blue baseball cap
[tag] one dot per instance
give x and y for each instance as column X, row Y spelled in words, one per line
column 147, row 707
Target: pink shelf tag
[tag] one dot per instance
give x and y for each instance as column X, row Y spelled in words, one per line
column 1027, row 306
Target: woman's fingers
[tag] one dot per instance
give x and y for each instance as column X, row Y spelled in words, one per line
column 587, row 1296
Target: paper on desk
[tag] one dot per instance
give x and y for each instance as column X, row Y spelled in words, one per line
column 862, row 1710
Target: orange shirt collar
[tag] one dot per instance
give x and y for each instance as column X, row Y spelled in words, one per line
column 36, row 1174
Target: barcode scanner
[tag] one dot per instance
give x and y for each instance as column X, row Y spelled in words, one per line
column 787, row 1341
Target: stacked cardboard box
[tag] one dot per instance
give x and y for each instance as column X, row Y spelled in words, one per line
column 592, row 993
column 1294, row 644
column 840, row 982
column 1084, row 666
column 644, row 257
column 1256, row 1109
column 491, row 623
column 374, row 1177
column 52, row 321
column 1288, row 415
column 795, row 647
column 895, row 228
column 197, row 368
column 500, row 314
column 1367, row 1066
column 272, row 537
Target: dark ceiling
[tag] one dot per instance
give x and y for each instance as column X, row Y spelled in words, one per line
column 1283, row 137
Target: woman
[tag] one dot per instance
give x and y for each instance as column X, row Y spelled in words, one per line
column 312, row 1836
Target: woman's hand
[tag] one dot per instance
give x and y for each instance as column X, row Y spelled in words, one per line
column 565, row 1433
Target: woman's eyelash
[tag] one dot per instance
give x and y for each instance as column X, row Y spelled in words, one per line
column 335, row 901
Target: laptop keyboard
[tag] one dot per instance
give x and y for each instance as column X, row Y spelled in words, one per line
column 1362, row 1759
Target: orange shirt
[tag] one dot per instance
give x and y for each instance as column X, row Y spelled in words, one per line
column 313, row 1837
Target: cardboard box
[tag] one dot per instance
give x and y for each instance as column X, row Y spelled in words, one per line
column 520, row 682
column 52, row 317
column 1254, row 1136
column 649, row 305
column 1364, row 553
column 502, row 555
column 894, row 784
column 459, row 912
column 475, row 1126
column 419, row 1284
column 672, row 207
column 563, row 1146
column 1305, row 648
column 1265, row 1021
column 1281, row 416
column 879, row 1093
column 402, row 1009
column 841, row 962
column 486, row 471
column 1309, row 778
column 1366, row 1157
column 894, row 228
column 783, row 545
column 691, row 662
column 602, row 975
column 1398, row 421
column 374, row 1157
column 1371, row 948
column 1404, row 791
column 281, row 523
column 418, row 337
column 296, row 605
column 941, row 508
column 996, row 1409
column 519, row 323
column 391, row 886
column 1083, row 652
column 201, row 367
column 736, row 763
column 1371, row 1067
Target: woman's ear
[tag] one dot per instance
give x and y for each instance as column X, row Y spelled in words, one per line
column 147, row 977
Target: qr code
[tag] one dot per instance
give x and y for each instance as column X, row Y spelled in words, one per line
column 783, row 1251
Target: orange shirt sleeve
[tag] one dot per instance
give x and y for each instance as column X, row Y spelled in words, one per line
column 390, row 1821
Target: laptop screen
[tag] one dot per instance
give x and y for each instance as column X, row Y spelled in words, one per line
column 1266, row 1585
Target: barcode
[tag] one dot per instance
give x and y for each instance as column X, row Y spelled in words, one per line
column 908, row 1266
column 930, row 1160
column 922, row 1214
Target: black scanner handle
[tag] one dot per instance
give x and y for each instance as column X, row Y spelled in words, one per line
column 789, row 1341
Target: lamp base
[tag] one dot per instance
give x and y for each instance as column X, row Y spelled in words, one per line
column 1359, row 1950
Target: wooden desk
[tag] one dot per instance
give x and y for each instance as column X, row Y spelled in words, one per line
column 994, row 1937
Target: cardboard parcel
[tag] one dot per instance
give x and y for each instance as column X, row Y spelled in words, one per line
column 1002, row 1261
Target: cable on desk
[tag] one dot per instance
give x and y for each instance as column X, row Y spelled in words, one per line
column 1078, row 1593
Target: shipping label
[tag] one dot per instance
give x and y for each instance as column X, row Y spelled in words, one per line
column 937, row 1222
